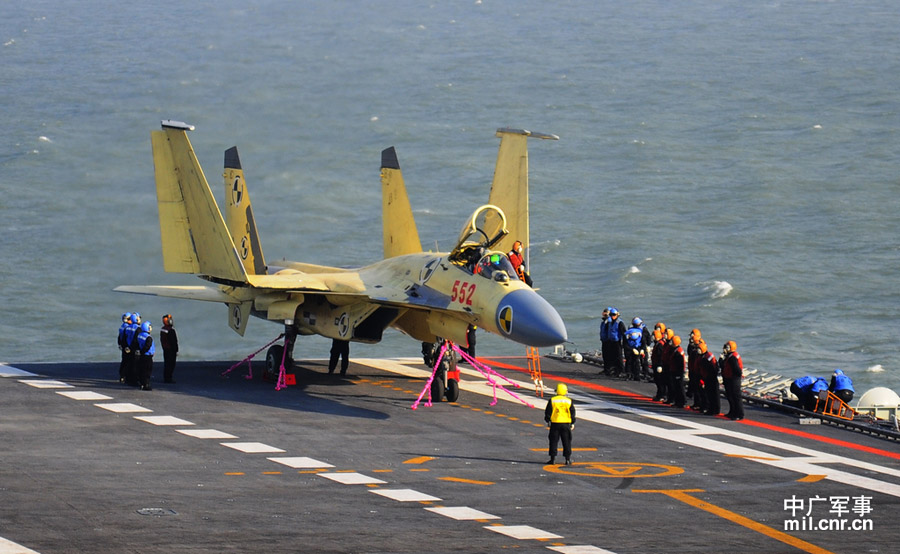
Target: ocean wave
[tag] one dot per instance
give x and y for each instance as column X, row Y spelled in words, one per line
column 877, row 368
column 634, row 269
column 717, row 289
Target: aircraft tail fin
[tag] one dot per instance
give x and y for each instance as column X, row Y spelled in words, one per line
column 399, row 227
column 194, row 236
column 509, row 190
column 239, row 215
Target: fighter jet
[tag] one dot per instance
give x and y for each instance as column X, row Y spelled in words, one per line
column 427, row 295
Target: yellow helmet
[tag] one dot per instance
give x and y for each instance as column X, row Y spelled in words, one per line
column 670, row 333
column 676, row 340
column 562, row 389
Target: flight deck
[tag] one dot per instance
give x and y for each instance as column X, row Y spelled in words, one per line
column 344, row 464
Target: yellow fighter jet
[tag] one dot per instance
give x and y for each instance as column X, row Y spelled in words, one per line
column 428, row 296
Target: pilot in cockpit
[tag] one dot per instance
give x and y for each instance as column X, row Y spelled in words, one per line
column 496, row 266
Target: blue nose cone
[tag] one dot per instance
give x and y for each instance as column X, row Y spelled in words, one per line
column 525, row 317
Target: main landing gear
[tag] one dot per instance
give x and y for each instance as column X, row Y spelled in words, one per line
column 276, row 354
column 446, row 378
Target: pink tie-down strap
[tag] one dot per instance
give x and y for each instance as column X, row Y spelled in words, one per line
column 486, row 371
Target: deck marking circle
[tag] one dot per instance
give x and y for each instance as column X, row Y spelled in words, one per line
column 617, row 470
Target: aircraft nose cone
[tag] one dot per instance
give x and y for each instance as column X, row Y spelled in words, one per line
column 525, row 317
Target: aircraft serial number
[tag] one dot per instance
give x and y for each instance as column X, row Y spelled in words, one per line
column 463, row 292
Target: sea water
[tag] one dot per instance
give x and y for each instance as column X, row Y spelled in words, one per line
column 724, row 165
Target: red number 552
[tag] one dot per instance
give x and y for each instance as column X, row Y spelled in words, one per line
column 462, row 293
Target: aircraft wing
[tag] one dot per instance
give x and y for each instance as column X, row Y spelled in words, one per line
column 207, row 294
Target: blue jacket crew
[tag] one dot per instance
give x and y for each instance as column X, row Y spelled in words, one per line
column 635, row 350
column 123, row 346
column 146, row 349
column 807, row 389
column 841, row 385
column 612, row 333
column 131, row 333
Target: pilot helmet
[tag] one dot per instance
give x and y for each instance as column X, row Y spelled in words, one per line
column 495, row 259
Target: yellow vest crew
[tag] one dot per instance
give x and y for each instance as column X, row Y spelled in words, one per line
column 560, row 414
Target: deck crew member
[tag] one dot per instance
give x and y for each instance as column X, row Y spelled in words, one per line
column 634, row 350
column 470, row 340
column 560, row 415
column 604, row 333
column 709, row 373
column 612, row 347
column 647, row 338
column 675, row 369
column 732, row 374
column 841, row 385
column 339, row 349
column 131, row 333
column 517, row 258
column 168, row 339
column 657, row 355
column 146, row 349
column 695, row 388
column 123, row 346
column 807, row 389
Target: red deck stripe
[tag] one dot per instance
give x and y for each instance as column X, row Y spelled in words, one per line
column 803, row 434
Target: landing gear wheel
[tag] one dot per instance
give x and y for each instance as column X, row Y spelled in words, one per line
column 273, row 362
column 437, row 389
column 452, row 390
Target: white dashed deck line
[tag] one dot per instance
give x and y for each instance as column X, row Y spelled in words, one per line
column 10, row 371
column 352, row 478
column 163, row 420
column 406, row 495
column 522, row 532
column 84, row 395
column 580, row 549
column 252, row 447
column 46, row 384
column 9, row 547
column 301, row 462
column 123, row 408
column 206, row 434
column 462, row 513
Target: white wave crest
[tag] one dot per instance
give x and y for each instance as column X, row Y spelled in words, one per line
column 877, row 368
column 634, row 269
column 718, row 289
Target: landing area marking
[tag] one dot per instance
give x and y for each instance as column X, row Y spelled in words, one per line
column 683, row 496
column 618, row 470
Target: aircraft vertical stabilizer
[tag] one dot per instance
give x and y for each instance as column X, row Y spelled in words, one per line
column 239, row 215
column 509, row 190
column 194, row 236
column 400, row 234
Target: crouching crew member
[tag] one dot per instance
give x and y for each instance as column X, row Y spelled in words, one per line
column 709, row 373
column 732, row 375
column 807, row 389
column 560, row 414
column 842, row 386
column 168, row 339
column 146, row 349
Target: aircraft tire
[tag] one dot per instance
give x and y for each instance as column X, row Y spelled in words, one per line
column 273, row 362
column 437, row 389
column 452, row 390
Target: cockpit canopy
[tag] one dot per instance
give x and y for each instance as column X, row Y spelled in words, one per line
column 496, row 266
column 484, row 229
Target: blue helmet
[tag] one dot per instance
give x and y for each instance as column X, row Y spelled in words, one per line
column 613, row 311
column 636, row 322
column 145, row 326
column 126, row 316
column 838, row 372
column 136, row 317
